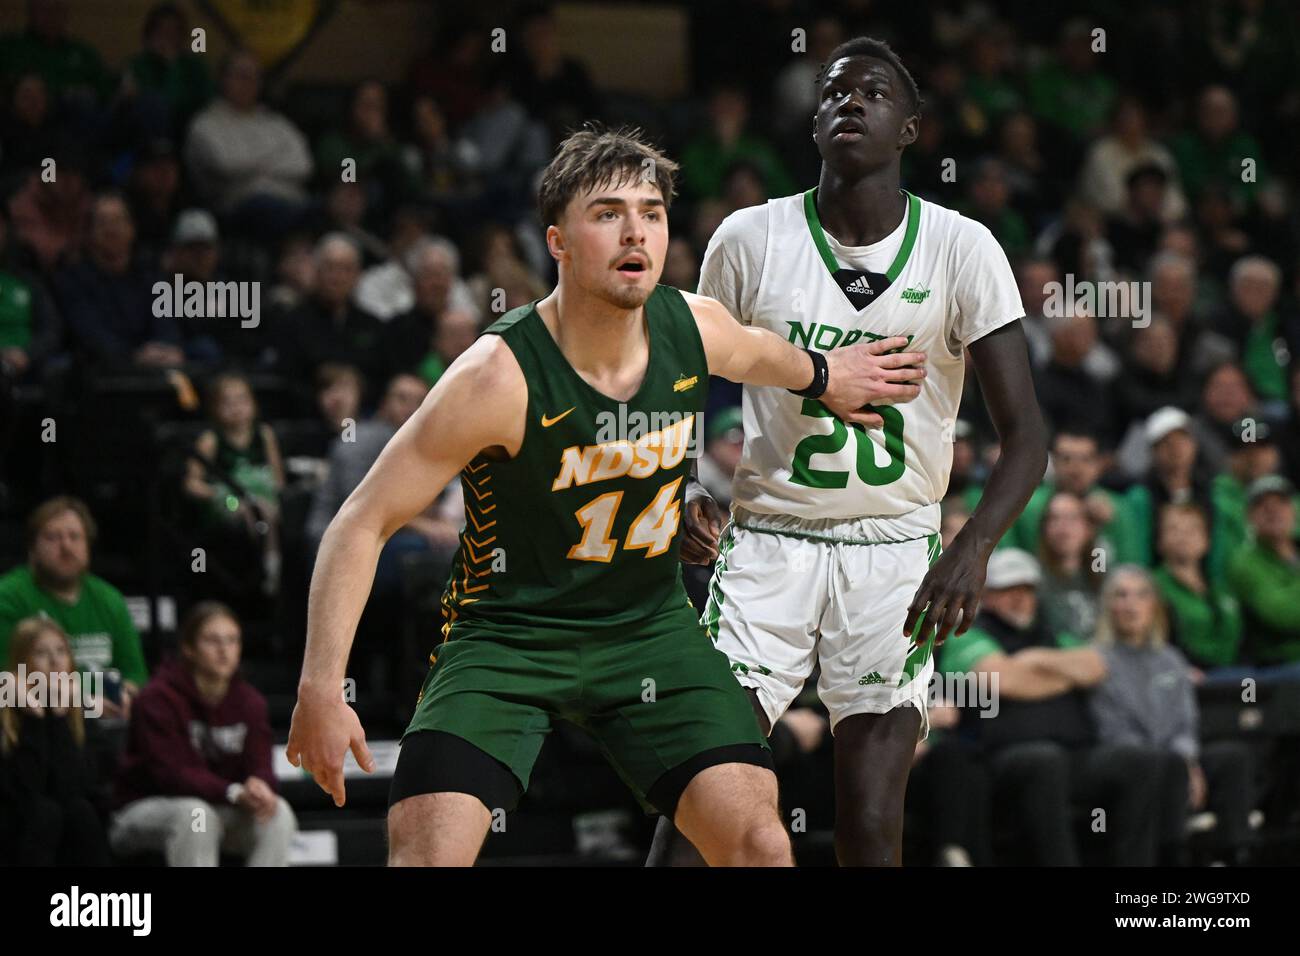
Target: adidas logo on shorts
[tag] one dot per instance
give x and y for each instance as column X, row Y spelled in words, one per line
column 872, row 678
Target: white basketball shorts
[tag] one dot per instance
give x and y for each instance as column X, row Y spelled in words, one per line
column 810, row 594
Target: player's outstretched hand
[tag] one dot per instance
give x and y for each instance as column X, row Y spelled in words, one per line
column 949, row 594
column 861, row 375
column 322, row 731
column 703, row 524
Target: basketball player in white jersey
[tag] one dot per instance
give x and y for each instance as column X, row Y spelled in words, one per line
column 831, row 555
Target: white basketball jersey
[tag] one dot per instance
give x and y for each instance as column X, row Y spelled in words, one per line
column 950, row 284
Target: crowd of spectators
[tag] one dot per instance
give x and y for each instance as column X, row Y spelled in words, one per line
column 384, row 225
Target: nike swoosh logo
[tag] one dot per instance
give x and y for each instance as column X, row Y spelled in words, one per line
column 548, row 422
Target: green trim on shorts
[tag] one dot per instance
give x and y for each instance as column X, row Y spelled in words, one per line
column 828, row 539
column 922, row 652
column 713, row 606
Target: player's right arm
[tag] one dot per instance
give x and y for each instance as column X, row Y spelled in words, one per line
column 858, row 374
column 451, row 427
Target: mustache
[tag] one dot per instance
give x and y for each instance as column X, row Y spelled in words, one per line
column 628, row 253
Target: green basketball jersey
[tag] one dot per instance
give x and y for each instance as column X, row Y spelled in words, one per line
column 579, row 528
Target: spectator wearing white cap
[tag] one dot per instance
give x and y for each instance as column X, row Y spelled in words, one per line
column 194, row 254
column 1176, row 475
column 1152, row 379
column 1040, row 739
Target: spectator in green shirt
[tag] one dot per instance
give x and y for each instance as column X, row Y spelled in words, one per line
column 988, row 200
column 707, row 158
column 367, row 141
column 1077, row 465
column 28, row 327
column 1264, row 341
column 988, row 85
column 72, row 69
column 1205, row 619
column 1069, row 91
column 1177, row 475
column 1252, row 454
column 170, row 83
column 1212, row 155
column 1265, row 575
column 57, row 582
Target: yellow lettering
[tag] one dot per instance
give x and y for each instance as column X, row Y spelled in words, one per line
column 575, row 466
column 658, row 450
column 647, row 458
column 676, row 438
column 615, row 460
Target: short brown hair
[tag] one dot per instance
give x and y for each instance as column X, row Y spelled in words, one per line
column 47, row 511
column 198, row 617
column 331, row 373
column 595, row 157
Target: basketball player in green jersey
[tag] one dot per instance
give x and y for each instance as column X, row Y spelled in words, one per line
column 570, row 425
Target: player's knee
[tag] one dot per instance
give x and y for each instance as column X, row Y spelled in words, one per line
column 403, row 835
column 878, row 823
column 765, row 843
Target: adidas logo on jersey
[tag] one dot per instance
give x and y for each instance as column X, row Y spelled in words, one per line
column 915, row 295
column 860, row 286
column 872, row 678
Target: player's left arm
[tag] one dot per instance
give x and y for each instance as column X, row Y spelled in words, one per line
column 953, row 586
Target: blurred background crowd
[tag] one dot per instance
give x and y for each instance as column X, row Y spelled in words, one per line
column 1142, row 617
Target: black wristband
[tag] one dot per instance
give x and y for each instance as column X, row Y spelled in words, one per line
column 821, row 376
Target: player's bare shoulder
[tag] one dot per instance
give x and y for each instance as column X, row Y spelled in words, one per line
column 717, row 328
column 706, row 309
column 484, row 392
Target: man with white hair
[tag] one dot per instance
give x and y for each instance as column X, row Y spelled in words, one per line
column 328, row 326
column 393, row 288
column 1264, row 339
column 442, row 320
